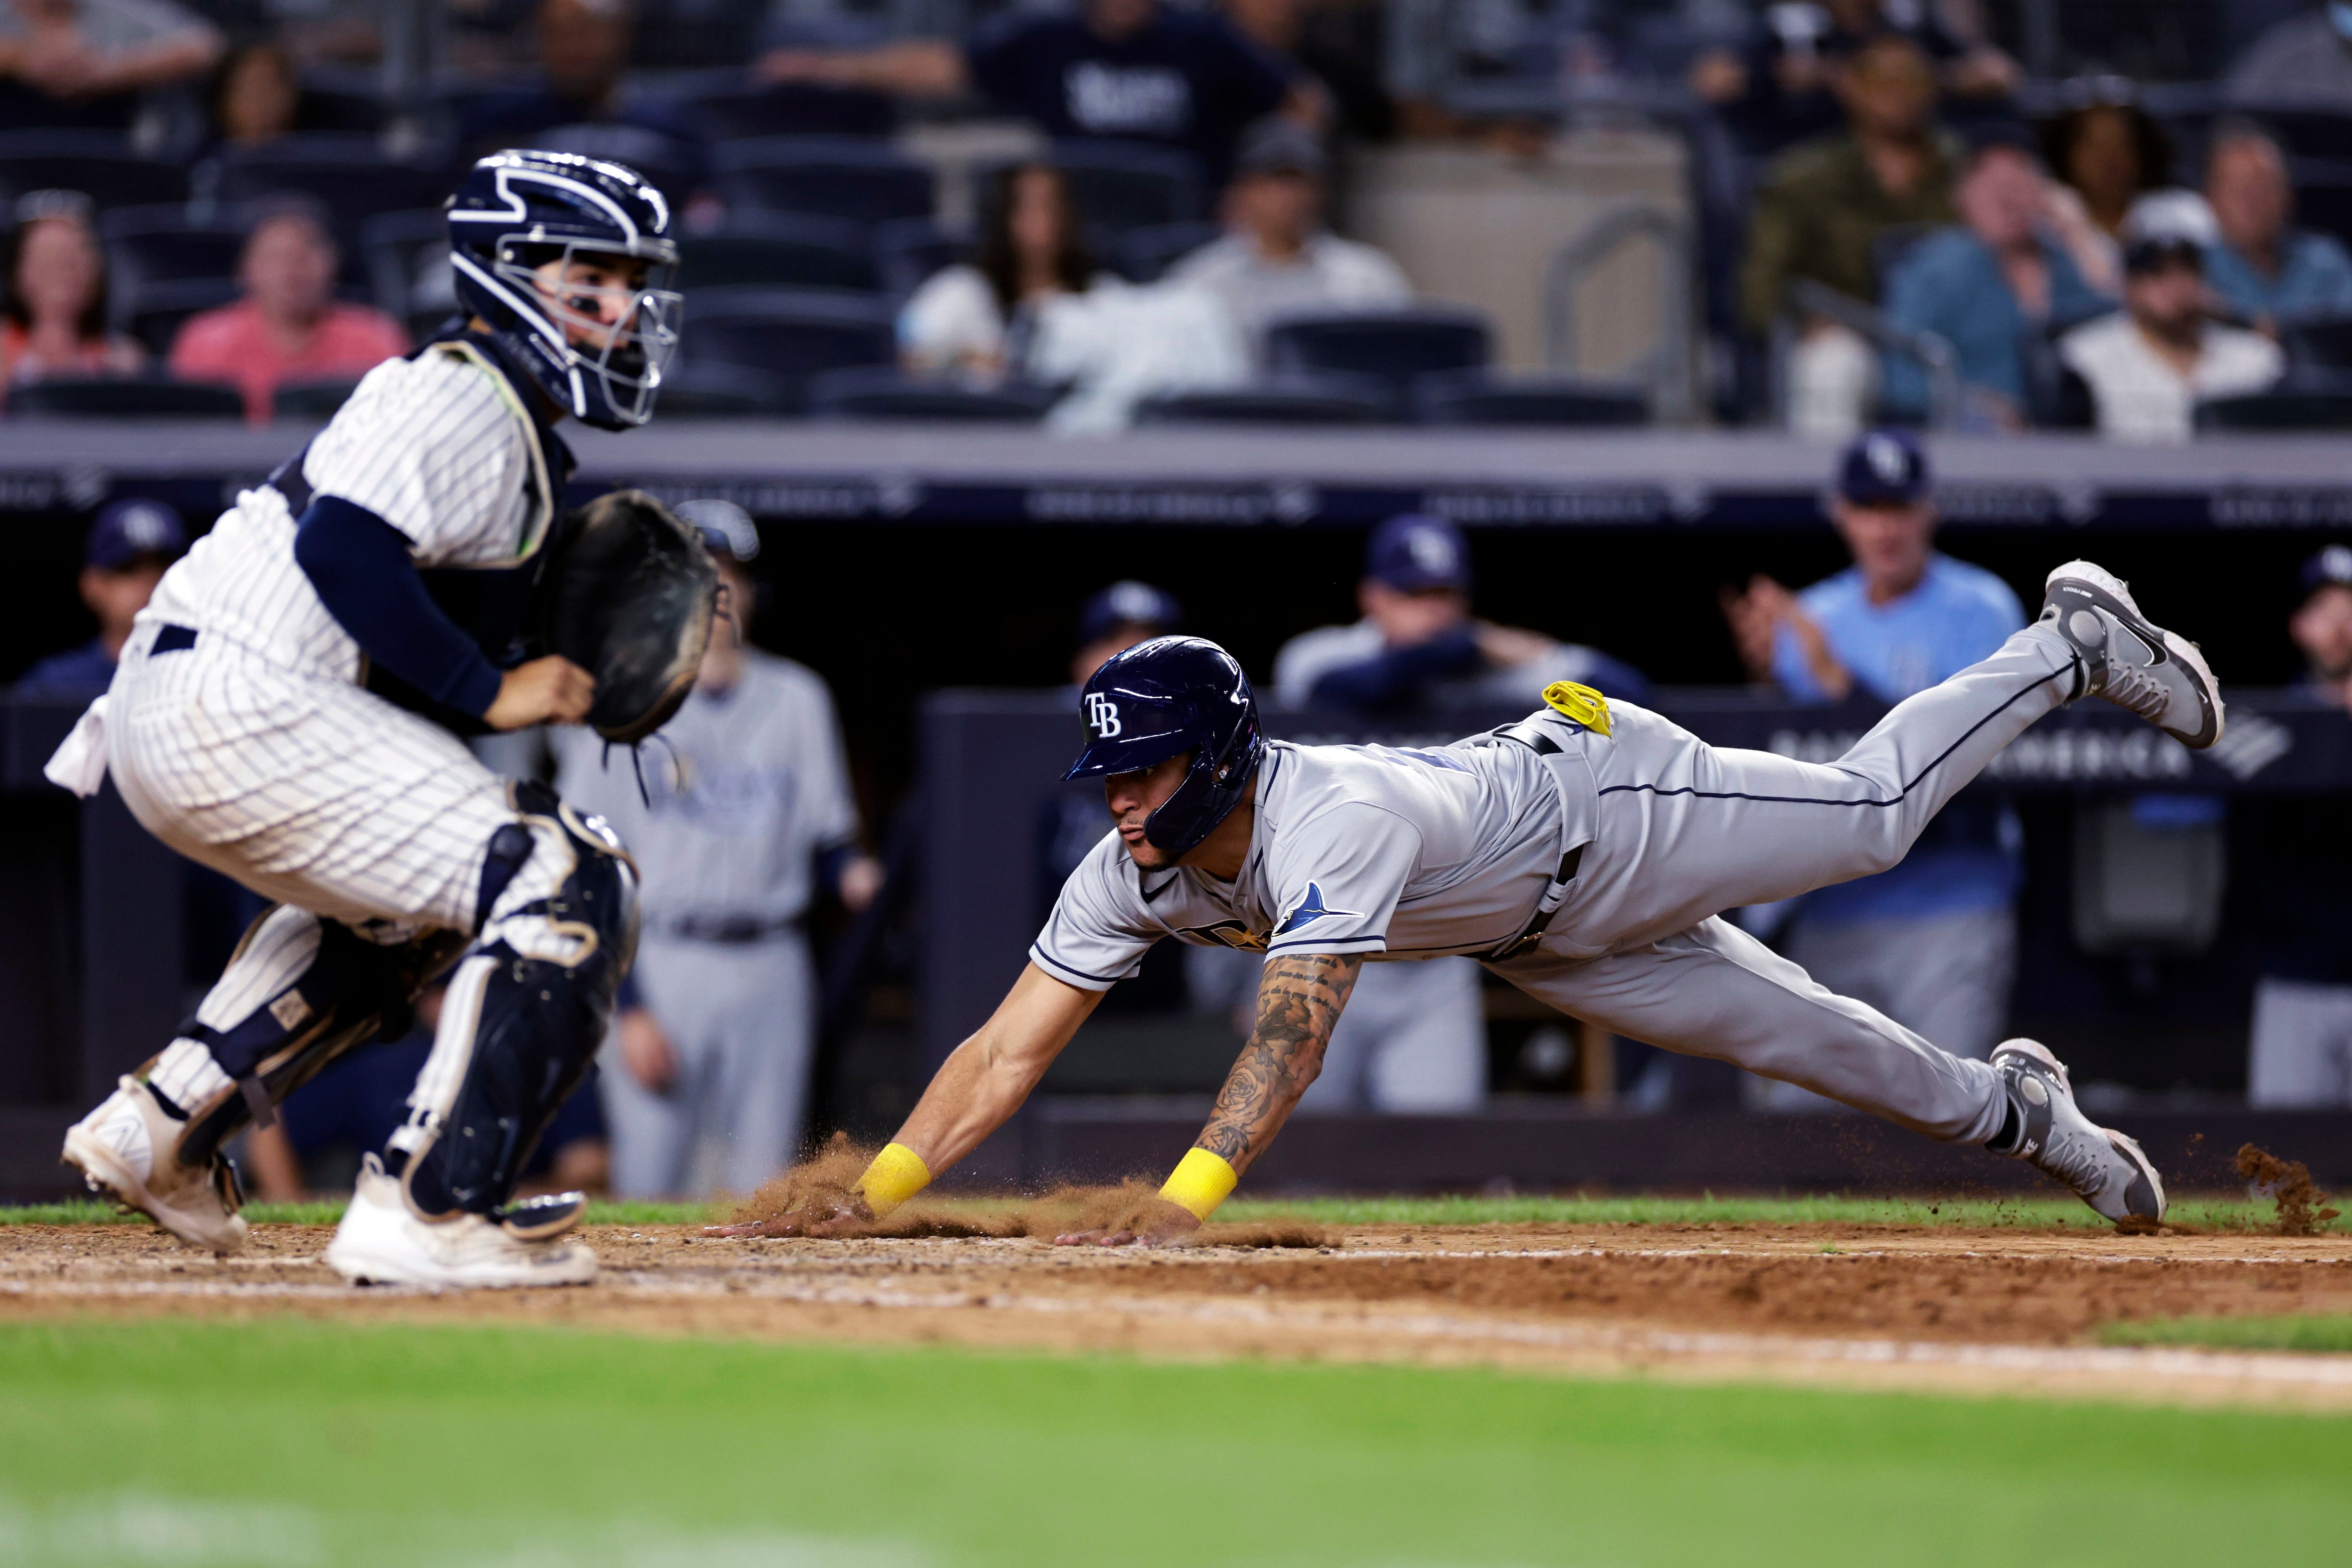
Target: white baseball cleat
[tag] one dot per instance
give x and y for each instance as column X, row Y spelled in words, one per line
column 382, row 1242
column 2137, row 666
column 2108, row 1170
column 126, row 1150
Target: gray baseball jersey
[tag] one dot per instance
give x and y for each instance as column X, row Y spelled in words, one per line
column 1373, row 850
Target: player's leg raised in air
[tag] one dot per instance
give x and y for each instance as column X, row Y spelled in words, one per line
column 1686, row 830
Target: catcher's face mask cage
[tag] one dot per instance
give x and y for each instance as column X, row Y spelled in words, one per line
column 570, row 262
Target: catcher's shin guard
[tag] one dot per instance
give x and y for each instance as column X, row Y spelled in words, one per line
column 313, row 989
column 524, row 1015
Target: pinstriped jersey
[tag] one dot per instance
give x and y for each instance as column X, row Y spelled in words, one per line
column 439, row 447
column 1373, row 850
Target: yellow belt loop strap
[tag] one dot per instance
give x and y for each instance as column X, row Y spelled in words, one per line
column 1581, row 703
column 897, row 1174
column 1201, row 1181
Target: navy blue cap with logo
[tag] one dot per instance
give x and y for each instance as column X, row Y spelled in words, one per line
column 1164, row 697
column 2332, row 567
column 1884, row 468
column 1416, row 553
column 1129, row 604
column 127, row 530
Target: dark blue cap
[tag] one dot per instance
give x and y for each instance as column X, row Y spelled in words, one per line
column 127, row 530
column 2331, row 565
column 1129, row 604
column 1414, row 552
column 1884, row 468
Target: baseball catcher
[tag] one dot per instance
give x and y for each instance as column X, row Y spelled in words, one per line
column 287, row 712
column 1585, row 854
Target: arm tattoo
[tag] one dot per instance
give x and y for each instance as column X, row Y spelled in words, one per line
column 1298, row 1000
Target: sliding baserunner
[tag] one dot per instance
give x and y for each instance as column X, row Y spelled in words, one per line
column 1584, row 854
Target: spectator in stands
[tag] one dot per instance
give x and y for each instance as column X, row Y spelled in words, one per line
column 2108, row 151
column 965, row 318
column 1780, row 89
column 2147, row 366
column 1124, row 70
column 1419, row 646
column 2264, row 270
column 1984, row 283
column 1821, row 207
column 2305, row 60
column 1277, row 257
column 583, row 52
column 257, row 97
column 1933, row 943
column 85, row 62
column 1335, row 44
column 131, row 543
column 289, row 326
column 53, row 304
column 2300, row 1053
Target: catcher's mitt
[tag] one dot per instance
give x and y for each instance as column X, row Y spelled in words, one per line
column 629, row 598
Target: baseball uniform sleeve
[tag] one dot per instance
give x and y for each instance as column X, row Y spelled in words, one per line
column 1100, row 931
column 831, row 814
column 432, row 449
column 1336, row 875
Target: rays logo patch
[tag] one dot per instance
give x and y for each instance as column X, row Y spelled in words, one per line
column 1312, row 909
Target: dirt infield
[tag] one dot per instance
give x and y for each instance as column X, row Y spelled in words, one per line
column 1946, row 1309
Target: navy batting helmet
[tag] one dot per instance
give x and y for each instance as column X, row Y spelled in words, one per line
column 519, row 211
column 1160, row 700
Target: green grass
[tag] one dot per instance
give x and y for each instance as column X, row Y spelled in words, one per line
column 286, row 1442
column 2326, row 1331
column 2035, row 1213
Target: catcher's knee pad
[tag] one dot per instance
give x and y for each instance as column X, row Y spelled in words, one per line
column 299, row 993
column 525, row 1013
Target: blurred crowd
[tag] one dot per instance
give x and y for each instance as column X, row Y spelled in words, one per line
column 1123, row 210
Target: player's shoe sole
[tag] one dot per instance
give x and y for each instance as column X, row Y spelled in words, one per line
column 2106, row 1168
column 380, row 1242
column 2131, row 661
column 200, row 1208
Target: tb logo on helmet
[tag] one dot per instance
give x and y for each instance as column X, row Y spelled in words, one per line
column 1102, row 715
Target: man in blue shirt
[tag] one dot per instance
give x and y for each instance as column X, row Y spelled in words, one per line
column 130, row 545
column 1983, row 283
column 1122, row 69
column 1933, row 943
column 2265, row 270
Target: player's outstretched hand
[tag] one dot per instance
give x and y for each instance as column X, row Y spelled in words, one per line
column 550, row 689
column 849, row 1219
column 1161, row 1224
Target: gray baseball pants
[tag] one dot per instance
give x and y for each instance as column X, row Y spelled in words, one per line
column 741, row 1017
column 1686, row 830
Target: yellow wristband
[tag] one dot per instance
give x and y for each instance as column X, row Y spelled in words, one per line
column 1201, row 1182
column 897, row 1174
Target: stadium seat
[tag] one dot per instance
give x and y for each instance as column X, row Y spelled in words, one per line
column 907, row 252
column 347, row 98
column 99, row 164
column 346, row 174
column 407, row 259
column 1393, row 345
column 2322, row 196
column 881, row 393
column 672, row 167
column 129, row 397
column 1293, row 398
column 2305, row 401
column 1144, row 255
column 788, row 334
column 1477, row 398
column 2056, row 396
column 734, row 113
column 2322, row 343
column 312, row 400
column 723, row 392
column 159, row 311
column 866, row 182
column 780, row 250
column 1121, row 185
column 150, row 246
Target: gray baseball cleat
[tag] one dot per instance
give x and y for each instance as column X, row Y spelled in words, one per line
column 2106, row 1168
column 2136, row 666
column 128, row 1150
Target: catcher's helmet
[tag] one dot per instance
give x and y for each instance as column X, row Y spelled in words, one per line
column 1159, row 699
column 519, row 211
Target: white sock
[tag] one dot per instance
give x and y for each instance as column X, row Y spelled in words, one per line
column 186, row 1075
